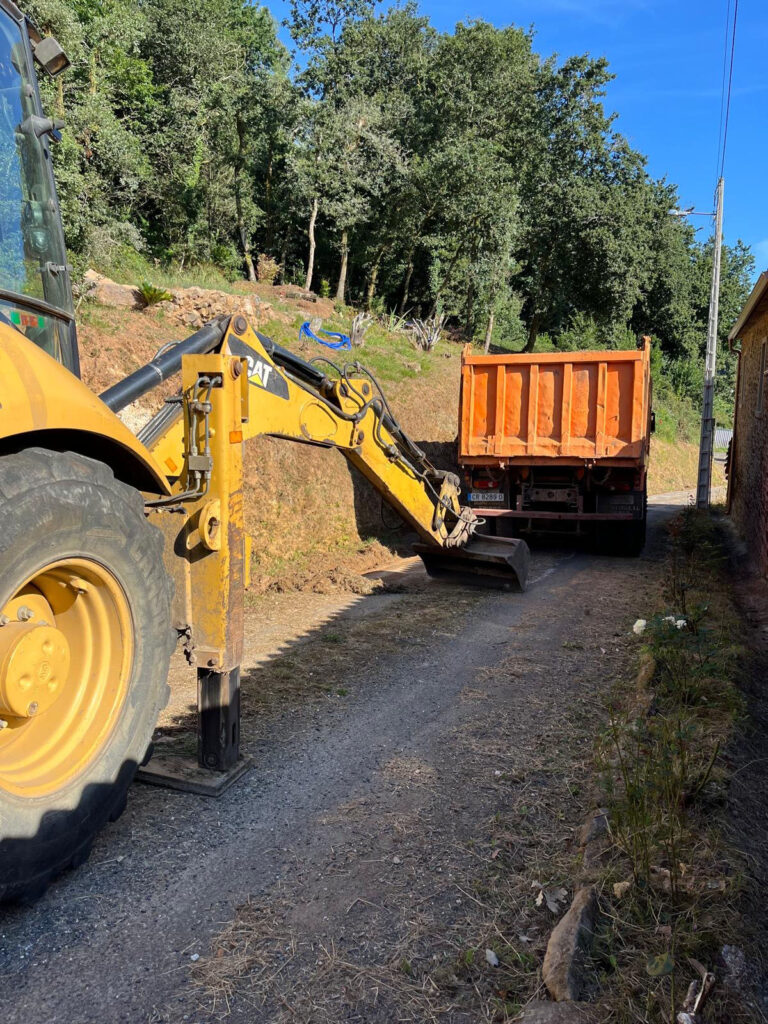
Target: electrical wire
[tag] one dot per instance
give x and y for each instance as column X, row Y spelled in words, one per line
column 722, row 86
column 725, row 99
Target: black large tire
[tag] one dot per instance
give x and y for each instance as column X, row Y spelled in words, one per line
column 634, row 536
column 637, row 531
column 56, row 506
column 625, row 539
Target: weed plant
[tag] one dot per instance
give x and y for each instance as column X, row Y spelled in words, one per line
column 662, row 776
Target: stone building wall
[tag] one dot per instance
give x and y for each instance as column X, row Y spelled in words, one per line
column 749, row 469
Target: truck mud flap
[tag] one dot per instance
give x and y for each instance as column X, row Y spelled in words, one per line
column 497, row 562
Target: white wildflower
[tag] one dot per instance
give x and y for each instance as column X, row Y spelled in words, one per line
column 639, row 627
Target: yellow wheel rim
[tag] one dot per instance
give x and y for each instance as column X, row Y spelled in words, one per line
column 66, row 654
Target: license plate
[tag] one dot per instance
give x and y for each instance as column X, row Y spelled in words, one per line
column 481, row 496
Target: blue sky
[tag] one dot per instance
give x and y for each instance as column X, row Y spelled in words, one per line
column 667, row 56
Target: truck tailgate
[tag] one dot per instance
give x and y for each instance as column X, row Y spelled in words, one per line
column 575, row 405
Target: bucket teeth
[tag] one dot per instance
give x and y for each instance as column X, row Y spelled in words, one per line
column 496, row 562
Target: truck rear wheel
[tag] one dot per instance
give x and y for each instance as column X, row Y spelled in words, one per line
column 627, row 538
column 85, row 642
column 634, row 536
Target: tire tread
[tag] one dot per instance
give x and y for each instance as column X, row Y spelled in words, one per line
column 52, row 472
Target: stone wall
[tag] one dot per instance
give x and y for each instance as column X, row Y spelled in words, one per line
column 189, row 307
column 749, row 470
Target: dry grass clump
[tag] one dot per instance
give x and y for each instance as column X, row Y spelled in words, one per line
column 326, row 987
column 670, row 891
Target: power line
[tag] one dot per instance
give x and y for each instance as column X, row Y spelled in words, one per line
column 722, row 87
column 730, row 83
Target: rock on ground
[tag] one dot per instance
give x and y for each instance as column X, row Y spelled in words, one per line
column 595, row 827
column 565, row 962
column 107, row 292
column 594, row 842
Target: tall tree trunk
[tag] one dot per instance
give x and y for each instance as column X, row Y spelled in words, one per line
column 470, row 309
column 409, row 266
column 406, row 285
column 311, row 259
column 208, row 173
column 269, row 232
column 242, row 230
column 342, row 285
column 489, row 331
column 372, row 278
column 245, row 241
column 533, row 332
column 247, row 257
column 469, row 327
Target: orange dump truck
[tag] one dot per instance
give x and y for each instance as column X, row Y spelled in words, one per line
column 558, row 442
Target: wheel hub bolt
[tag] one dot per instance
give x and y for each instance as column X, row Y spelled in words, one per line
column 32, row 709
column 24, row 614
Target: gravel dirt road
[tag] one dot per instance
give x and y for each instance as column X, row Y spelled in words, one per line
column 413, row 753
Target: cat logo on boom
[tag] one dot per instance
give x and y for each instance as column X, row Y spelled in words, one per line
column 261, row 373
column 258, row 372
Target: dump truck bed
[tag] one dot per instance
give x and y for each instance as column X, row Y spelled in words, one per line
column 569, row 407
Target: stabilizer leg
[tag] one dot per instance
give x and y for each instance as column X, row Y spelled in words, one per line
column 218, row 742
column 218, row 719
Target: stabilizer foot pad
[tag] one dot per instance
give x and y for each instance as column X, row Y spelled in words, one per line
column 186, row 775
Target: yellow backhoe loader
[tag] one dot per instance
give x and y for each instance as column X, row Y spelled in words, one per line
column 113, row 548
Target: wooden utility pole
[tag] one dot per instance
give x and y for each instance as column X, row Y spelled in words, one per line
column 707, row 442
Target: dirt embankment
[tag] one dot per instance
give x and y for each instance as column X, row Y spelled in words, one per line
column 307, row 511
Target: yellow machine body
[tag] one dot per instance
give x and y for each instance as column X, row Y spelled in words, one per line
column 191, row 475
column 87, row 611
column 195, row 464
column 43, row 405
column 208, row 541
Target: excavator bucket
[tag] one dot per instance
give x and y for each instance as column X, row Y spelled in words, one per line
column 496, row 562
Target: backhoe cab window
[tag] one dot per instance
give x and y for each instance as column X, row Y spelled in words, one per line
column 32, row 254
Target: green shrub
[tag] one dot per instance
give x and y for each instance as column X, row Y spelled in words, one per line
column 150, row 295
column 228, row 260
column 268, row 269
